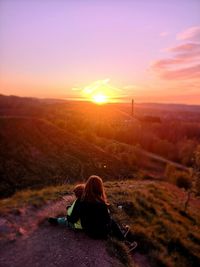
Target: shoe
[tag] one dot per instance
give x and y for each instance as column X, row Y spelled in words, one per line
column 132, row 246
column 53, row 221
column 125, row 230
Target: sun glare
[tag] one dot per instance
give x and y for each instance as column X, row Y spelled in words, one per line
column 99, row 99
column 99, row 92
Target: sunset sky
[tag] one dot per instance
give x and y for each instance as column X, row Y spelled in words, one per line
column 146, row 49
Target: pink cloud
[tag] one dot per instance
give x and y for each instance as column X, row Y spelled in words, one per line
column 183, row 54
column 188, row 47
column 192, row 33
column 192, row 72
column 163, row 63
column 184, row 62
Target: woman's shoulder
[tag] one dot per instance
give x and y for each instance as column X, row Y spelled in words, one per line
column 96, row 204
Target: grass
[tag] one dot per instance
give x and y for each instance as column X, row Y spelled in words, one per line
column 166, row 234
column 119, row 250
column 35, row 198
column 154, row 210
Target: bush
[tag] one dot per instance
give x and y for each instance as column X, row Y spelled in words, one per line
column 179, row 178
column 183, row 181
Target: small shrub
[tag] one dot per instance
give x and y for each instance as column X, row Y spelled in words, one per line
column 179, row 178
column 183, row 181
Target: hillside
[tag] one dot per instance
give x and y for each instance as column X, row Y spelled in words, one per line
column 37, row 153
column 47, row 141
column 169, row 131
column 166, row 236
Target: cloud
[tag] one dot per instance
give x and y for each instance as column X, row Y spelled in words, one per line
column 184, row 62
column 187, row 47
column 182, row 54
column 163, row 63
column 192, row 72
column 192, row 34
column 102, row 87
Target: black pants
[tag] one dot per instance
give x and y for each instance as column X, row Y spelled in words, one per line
column 115, row 230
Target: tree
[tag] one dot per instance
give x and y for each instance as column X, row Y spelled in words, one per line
column 186, row 151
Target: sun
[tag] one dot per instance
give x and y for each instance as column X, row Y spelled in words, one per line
column 99, row 98
column 99, row 92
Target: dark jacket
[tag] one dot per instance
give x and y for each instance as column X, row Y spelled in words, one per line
column 95, row 218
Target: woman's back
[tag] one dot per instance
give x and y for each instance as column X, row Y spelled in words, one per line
column 92, row 209
column 95, row 218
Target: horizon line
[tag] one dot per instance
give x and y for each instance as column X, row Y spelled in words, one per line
column 81, row 99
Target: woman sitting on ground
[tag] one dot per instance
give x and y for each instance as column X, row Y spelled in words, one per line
column 94, row 214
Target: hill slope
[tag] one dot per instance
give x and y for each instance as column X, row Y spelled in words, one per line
column 36, row 153
column 166, row 236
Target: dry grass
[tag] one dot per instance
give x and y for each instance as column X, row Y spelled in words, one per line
column 154, row 211
column 118, row 250
column 36, row 198
column 165, row 233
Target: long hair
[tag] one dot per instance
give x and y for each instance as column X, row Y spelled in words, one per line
column 94, row 190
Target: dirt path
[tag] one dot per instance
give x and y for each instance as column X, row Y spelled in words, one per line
column 27, row 240
column 56, row 246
